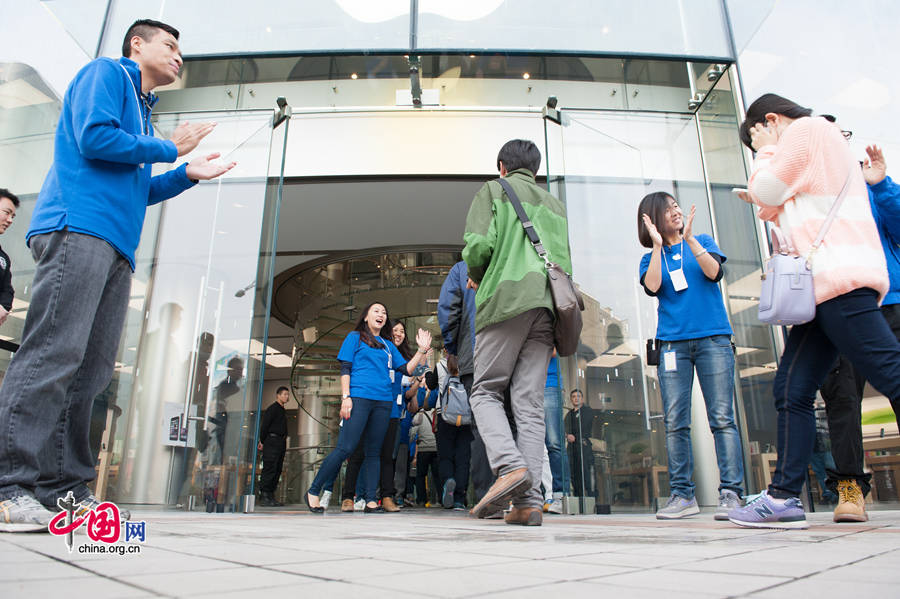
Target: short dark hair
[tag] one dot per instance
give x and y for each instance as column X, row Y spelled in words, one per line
column 146, row 30
column 653, row 205
column 5, row 193
column 763, row 105
column 282, row 388
column 574, row 391
column 519, row 153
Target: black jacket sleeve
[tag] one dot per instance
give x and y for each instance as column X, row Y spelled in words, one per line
column 265, row 423
column 6, row 289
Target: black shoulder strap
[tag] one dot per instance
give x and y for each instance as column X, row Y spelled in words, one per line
column 523, row 218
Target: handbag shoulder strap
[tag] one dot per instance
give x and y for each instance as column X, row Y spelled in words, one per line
column 831, row 215
column 523, row 218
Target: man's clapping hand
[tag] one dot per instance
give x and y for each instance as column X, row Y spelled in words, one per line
column 187, row 135
column 203, row 168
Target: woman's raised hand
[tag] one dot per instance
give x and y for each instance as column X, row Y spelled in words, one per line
column 689, row 222
column 874, row 167
column 423, row 339
column 761, row 135
column 655, row 236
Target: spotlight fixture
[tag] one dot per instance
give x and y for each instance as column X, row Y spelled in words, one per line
column 550, row 112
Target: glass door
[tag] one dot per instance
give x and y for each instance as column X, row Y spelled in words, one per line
column 601, row 164
column 186, row 432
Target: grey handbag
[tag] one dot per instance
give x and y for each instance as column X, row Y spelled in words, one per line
column 566, row 298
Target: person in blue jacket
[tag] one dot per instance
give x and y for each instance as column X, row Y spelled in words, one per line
column 84, row 231
column 682, row 271
column 843, row 388
column 370, row 365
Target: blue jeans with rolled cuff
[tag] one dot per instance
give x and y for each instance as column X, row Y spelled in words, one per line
column 713, row 359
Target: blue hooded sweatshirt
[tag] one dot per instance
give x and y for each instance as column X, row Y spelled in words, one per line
column 100, row 181
column 456, row 317
column 884, row 198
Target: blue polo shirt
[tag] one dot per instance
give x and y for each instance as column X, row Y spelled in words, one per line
column 370, row 377
column 553, row 373
column 692, row 313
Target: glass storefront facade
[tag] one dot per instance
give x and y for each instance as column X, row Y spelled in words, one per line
column 354, row 191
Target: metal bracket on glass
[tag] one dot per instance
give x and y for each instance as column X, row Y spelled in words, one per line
column 283, row 113
column 550, row 112
column 415, row 82
column 695, row 102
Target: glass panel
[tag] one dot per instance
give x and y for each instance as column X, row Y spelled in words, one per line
column 190, row 418
column 602, row 164
column 241, row 27
column 660, row 27
column 83, row 20
column 738, row 230
column 28, row 114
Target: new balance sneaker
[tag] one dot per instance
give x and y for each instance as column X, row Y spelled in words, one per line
column 678, row 507
column 447, row 495
column 728, row 500
column 24, row 513
column 765, row 512
column 851, row 503
column 325, row 499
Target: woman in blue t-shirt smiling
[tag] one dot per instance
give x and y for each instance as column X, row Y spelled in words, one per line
column 370, row 363
column 682, row 271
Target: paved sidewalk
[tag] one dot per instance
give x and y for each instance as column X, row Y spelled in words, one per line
column 433, row 553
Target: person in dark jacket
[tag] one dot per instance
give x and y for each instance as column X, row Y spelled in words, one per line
column 273, row 444
column 84, row 231
column 579, row 423
column 8, row 205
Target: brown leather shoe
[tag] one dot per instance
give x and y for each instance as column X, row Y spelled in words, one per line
column 347, row 505
column 497, row 497
column 388, row 504
column 525, row 516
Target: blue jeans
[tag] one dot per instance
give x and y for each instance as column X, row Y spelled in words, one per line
column 850, row 324
column 72, row 329
column 367, row 424
column 553, row 437
column 713, row 359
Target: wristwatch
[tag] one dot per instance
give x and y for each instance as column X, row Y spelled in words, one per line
column 343, row 397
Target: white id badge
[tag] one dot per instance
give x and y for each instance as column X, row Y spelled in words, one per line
column 669, row 363
column 392, row 376
column 399, row 399
column 678, row 280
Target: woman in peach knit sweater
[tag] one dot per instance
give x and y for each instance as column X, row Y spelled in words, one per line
column 802, row 162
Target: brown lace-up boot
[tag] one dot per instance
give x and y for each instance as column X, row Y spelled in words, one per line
column 851, row 503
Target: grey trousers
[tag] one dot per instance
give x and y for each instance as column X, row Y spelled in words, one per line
column 514, row 353
column 72, row 329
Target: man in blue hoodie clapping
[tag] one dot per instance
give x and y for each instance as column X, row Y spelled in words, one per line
column 84, row 231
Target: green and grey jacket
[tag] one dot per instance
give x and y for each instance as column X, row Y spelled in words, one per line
column 511, row 276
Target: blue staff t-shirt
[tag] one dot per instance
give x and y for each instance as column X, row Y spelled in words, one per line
column 370, row 377
column 695, row 312
column 553, row 373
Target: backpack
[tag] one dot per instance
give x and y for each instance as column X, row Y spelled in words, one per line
column 454, row 400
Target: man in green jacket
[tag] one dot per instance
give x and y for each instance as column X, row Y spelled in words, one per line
column 513, row 326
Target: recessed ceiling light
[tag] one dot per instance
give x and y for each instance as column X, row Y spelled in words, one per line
column 526, row 76
column 354, row 76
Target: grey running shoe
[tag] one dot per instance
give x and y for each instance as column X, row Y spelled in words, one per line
column 728, row 500
column 91, row 503
column 677, row 507
column 24, row 513
column 763, row 512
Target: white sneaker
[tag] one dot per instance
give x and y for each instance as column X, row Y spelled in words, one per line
column 24, row 513
column 728, row 500
column 359, row 505
column 678, row 507
column 556, row 506
column 325, row 499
